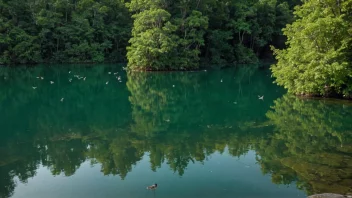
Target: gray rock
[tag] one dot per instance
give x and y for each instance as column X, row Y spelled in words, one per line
column 329, row 195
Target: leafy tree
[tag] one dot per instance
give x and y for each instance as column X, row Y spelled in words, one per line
column 163, row 41
column 191, row 39
column 318, row 58
column 220, row 48
column 152, row 41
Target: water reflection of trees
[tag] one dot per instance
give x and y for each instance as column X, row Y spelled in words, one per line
column 175, row 114
column 311, row 143
column 175, row 118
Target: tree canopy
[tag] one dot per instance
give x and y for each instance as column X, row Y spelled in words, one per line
column 181, row 35
column 318, row 60
column 149, row 35
column 63, row 31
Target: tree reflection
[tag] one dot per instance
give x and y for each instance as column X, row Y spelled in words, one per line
column 176, row 119
column 174, row 114
column 312, row 143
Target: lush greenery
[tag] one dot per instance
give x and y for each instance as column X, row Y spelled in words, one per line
column 170, row 35
column 158, row 34
column 184, row 34
column 318, row 58
column 63, row 31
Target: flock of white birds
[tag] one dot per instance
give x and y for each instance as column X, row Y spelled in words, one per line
column 117, row 77
column 80, row 78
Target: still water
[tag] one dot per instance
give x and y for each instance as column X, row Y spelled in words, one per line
column 96, row 131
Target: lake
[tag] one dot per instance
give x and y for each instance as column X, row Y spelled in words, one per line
column 97, row 131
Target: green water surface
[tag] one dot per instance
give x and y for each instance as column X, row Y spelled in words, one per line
column 97, row 131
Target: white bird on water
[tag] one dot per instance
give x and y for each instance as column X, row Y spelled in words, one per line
column 69, row 72
column 42, row 78
column 107, row 82
column 261, row 97
column 51, row 82
column 109, row 73
column 70, row 79
column 116, row 73
column 62, row 99
column 34, row 87
column 84, row 78
column 221, row 80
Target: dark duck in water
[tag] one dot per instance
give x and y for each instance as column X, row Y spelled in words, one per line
column 152, row 187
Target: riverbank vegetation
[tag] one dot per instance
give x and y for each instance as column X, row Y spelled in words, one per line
column 158, row 35
column 318, row 58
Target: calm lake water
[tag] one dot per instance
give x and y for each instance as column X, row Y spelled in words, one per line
column 95, row 131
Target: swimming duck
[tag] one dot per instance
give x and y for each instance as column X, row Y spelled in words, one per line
column 152, row 187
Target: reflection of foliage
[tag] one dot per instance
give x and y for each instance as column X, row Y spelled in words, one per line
column 176, row 125
column 313, row 142
column 116, row 153
column 176, row 112
column 65, row 156
column 17, row 159
column 7, row 184
column 94, row 121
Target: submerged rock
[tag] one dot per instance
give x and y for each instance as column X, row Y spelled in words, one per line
column 330, row 195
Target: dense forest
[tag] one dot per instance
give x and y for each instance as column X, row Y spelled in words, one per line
column 33, row 31
column 160, row 34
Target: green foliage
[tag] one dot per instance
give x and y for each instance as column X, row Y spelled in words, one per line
column 192, row 31
column 245, row 55
column 318, row 58
column 221, row 51
column 63, row 31
column 161, row 35
column 222, row 33
column 161, row 41
column 152, row 41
